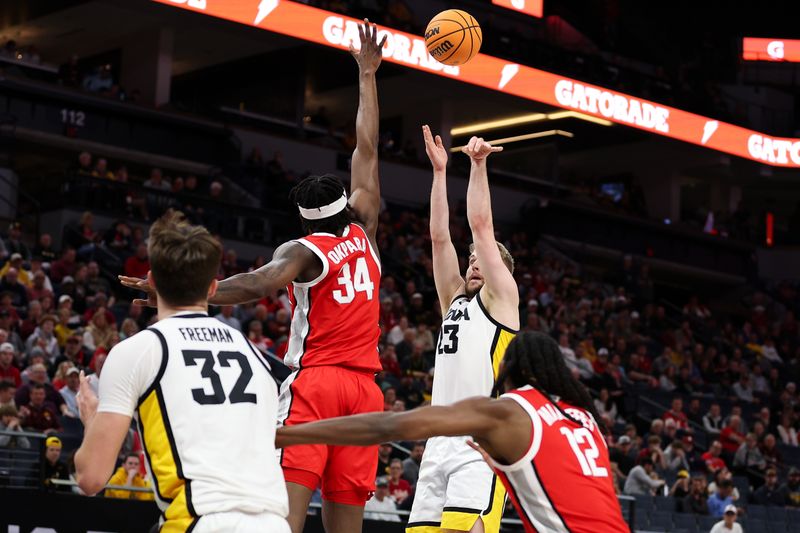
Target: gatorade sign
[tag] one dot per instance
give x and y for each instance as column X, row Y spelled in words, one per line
column 337, row 31
column 757, row 49
column 533, row 8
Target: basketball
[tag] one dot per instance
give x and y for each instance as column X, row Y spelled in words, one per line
column 453, row 37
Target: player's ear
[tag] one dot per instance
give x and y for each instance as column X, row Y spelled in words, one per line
column 212, row 289
column 150, row 279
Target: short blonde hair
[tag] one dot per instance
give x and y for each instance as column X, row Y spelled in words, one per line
column 505, row 255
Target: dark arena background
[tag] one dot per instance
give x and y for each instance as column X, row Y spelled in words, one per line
column 649, row 191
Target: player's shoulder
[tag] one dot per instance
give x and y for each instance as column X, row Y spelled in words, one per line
column 143, row 340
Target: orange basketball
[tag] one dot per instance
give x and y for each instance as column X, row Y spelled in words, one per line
column 453, row 37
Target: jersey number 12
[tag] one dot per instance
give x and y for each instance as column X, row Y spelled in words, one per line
column 587, row 455
column 217, row 396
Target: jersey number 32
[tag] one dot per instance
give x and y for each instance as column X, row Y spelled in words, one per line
column 217, row 396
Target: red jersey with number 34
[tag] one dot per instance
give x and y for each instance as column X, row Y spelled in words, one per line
column 335, row 316
column 563, row 483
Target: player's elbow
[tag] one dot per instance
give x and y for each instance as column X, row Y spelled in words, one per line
column 90, row 483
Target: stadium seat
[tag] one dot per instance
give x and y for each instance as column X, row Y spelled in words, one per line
column 707, row 522
column 758, row 526
column 644, row 504
column 776, row 515
column 685, row 521
column 661, row 520
column 743, row 484
column 665, row 503
column 756, row 512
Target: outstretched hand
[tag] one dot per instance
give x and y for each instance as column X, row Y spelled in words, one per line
column 139, row 284
column 435, row 149
column 87, row 400
column 369, row 55
column 477, row 149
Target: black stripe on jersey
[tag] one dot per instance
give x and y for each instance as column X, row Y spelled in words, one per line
column 191, row 315
column 461, row 510
column 495, row 340
column 261, row 360
column 491, row 494
column 491, row 319
column 289, row 410
column 174, row 447
column 422, row 524
column 546, row 495
column 161, row 369
column 457, row 298
column 193, row 524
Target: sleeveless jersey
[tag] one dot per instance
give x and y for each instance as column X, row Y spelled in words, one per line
column 335, row 316
column 207, row 423
column 563, row 483
column 468, row 353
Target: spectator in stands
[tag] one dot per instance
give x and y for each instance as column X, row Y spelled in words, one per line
column 721, row 498
column 100, row 333
column 128, row 475
column 70, row 391
column 769, row 449
column 94, row 379
column 38, row 288
column 713, row 458
column 743, row 389
column 792, row 486
column 694, row 414
column 40, row 415
column 94, row 281
column 676, row 413
column 138, row 264
column 226, row 317
column 728, row 523
column 157, row 181
column 384, row 457
column 128, row 329
column 7, row 369
column 412, row 463
column 606, row 407
column 7, row 391
column 697, row 500
column 399, row 488
column 69, row 73
column 44, row 249
column 74, row 352
column 60, row 375
column 731, row 436
column 675, row 457
column 14, row 244
column 680, row 489
column 37, row 373
column 63, row 330
column 770, row 493
column 99, row 81
column 257, row 338
column 622, row 455
column 15, row 262
column 642, row 479
column 748, row 457
column 54, row 467
column 786, row 430
column 380, row 502
column 10, row 285
column 9, row 421
column 391, row 367
column 64, row 267
column 101, row 170
column 44, row 337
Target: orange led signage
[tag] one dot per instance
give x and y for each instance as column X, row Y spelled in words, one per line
column 338, row 31
column 533, row 8
column 757, row 49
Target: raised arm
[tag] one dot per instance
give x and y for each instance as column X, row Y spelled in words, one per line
column 446, row 272
column 365, row 189
column 290, row 261
column 500, row 293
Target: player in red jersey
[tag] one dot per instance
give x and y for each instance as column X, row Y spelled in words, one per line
column 333, row 276
column 541, row 437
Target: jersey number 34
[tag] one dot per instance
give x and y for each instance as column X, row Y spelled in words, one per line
column 351, row 284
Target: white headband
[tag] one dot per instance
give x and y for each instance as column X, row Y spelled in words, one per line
column 324, row 211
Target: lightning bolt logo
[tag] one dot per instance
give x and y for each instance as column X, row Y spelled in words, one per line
column 264, row 9
column 709, row 129
column 509, row 71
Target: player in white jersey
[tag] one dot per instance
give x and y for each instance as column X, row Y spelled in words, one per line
column 202, row 396
column 456, row 490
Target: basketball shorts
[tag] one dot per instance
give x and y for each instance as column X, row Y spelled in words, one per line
column 346, row 474
column 236, row 521
column 455, row 488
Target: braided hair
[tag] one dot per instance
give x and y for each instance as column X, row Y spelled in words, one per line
column 534, row 359
column 316, row 191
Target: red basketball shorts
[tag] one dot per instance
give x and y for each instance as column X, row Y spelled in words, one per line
column 345, row 473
